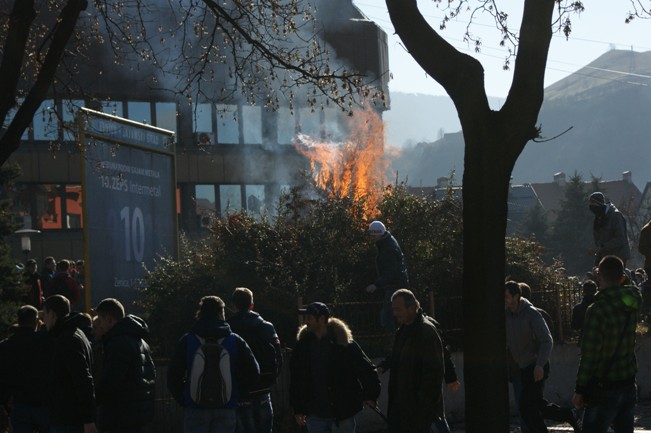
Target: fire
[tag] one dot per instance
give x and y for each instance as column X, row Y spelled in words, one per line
column 355, row 167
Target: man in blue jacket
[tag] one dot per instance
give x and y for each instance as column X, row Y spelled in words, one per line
column 241, row 371
column 391, row 271
column 126, row 385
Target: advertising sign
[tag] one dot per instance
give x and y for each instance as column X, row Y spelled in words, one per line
column 129, row 197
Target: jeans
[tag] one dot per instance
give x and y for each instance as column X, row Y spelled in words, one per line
column 516, row 381
column 316, row 424
column 617, row 408
column 209, row 420
column 534, row 409
column 255, row 415
column 29, row 419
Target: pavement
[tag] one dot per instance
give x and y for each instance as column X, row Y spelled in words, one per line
column 642, row 422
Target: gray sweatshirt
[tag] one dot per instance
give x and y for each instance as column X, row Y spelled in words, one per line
column 528, row 336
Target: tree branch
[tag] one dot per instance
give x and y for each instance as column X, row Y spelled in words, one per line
column 64, row 29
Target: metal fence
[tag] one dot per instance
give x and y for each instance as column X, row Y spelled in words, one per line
column 364, row 320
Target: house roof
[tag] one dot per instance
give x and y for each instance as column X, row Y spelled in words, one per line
column 622, row 193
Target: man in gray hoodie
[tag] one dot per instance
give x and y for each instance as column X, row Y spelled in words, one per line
column 530, row 342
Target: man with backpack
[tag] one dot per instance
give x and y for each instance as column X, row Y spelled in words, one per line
column 209, row 371
column 254, row 412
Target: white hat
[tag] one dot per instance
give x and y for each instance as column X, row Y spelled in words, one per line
column 376, row 228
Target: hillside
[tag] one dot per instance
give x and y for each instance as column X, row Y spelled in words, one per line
column 607, row 105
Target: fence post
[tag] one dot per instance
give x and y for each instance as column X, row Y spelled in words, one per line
column 299, row 304
column 559, row 313
column 430, row 295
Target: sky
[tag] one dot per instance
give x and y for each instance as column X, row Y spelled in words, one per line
column 595, row 31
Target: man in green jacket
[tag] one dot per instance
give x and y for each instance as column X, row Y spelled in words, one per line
column 608, row 352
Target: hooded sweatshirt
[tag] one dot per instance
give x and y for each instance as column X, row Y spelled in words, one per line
column 528, row 336
column 614, row 313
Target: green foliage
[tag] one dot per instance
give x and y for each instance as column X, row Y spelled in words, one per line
column 430, row 233
column 316, row 248
column 536, row 223
column 12, row 289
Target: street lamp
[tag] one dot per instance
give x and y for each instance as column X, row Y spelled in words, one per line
column 25, row 240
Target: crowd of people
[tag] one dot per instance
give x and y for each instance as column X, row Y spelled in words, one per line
column 100, row 374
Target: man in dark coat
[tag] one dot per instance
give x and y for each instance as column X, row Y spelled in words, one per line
column 126, row 385
column 71, row 393
column 244, row 369
column 608, row 230
column 416, row 369
column 33, row 280
column 578, row 311
column 254, row 412
column 391, row 270
column 22, row 357
column 331, row 377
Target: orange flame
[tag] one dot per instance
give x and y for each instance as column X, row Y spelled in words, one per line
column 356, row 167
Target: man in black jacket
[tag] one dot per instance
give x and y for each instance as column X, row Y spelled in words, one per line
column 254, row 412
column 391, row 271
column 126, row 385
column 22, row 375
column 331, row 377
column 71, row 392
column 210, row 328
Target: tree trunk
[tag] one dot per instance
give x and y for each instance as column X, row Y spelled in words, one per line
column 493, row 142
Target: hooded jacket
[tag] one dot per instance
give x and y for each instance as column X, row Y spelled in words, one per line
column 126, row 386
column 250, row 325
column 350, row 376
column 604, row 324
column 22, row 375
column 390, row 264
column 528, row 336
column 244, row 368
column 609, row 233
column 71, row 393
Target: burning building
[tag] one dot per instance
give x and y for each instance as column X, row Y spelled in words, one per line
column 231, row 155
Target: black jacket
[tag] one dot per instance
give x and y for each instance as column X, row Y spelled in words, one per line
column 248, row 325
column 22, row 357
column 390, row 264
column 126, row 387
column 351, row 376
column 244, row 367
column 71, row 392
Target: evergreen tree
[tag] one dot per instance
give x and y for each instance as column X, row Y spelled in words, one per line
column 536, row 223
column 12, row 289
column 572, row 229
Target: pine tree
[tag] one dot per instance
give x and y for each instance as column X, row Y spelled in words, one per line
column 572, row 230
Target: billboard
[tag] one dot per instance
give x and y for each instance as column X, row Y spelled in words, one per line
column 129, row 202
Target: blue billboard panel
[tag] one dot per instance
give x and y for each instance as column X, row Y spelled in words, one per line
column 130, row 204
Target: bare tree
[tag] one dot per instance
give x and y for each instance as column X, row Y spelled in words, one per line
column 493, row 140
column 270, row 52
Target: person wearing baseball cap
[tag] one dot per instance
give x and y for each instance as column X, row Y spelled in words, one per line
column 331, row 378
column 608, row 230
column 391, row 271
